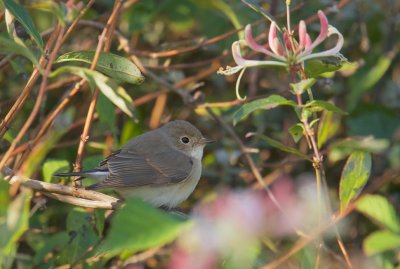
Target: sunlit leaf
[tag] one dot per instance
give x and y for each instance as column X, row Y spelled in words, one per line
column 58, row 10
column 319, row 105
column 303, row 85
column 10, row 46
column 380, row 211
column 279, row 145
column 113, row 92
column 25, row 19
column 328, row 127
column 143, row 225
column 115, row 66
column 342, row 148
column 354, row 177
column 54, row 165
column 381, row 241
column 265, row 103
column 316, row 67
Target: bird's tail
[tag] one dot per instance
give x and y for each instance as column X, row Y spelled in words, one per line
column 94, row 173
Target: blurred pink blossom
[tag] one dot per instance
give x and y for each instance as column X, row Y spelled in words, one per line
column 228, row 230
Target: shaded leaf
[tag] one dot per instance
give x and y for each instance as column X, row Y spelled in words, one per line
column 380, row 211
column 113, row 65
column 10, row 46
column 342, row 148
column 144, row 225
column 20, row 13
column 354, row 177
column 279, row 145
column 58, row 10
column 113, row 92
column 381, row 241
column 328, row 127
column 296, row 131
column 56, row 241
column 105, row 110
column 373, row 119
column 54, row 165
column 265, row 103
column 316, row 67
column 82, row 235
column 319, row 105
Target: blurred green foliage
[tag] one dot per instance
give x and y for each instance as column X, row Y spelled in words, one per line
column 37, row 234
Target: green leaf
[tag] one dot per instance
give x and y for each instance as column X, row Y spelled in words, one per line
column 265, row 103
column 381, row 241
column 115, row 66
column 328, row 127
column 113, row 92
column 56, row 241
column 319, row 105
column 354, row 177
column 53, row 165
column 13, row 226
column 99, row 220
column 279, row 145
column 82, row 235
column 316, row 67
column 143, row 225
column 10, row 46
column 105, row 110
column 20, row 13
column 373, row 119
column 342, row 148
column 380, row 211
column 296, row 131
column 303, row 85
column 366, row 79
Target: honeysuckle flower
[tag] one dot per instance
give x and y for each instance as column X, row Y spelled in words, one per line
column 288, row 53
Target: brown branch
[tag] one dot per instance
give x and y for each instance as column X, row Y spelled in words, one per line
column 77, row 19
column 67, row 194
column 102, row 42
column 59, row 34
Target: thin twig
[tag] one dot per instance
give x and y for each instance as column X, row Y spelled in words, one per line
column 59, row 33
column 336, row 218
column 102, row 42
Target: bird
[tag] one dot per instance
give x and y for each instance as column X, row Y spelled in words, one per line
column 161, row 166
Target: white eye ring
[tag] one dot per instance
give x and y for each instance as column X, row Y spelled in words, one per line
column 185, row 139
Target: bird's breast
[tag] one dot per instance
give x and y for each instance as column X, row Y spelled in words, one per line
column 169, row 195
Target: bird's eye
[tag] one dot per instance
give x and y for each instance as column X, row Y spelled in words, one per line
column 185, row 140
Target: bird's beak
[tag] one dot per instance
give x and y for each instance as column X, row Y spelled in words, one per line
column 205, row 141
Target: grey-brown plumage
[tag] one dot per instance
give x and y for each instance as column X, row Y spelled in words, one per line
column 162, row 166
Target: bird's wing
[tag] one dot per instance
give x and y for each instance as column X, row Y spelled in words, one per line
column 132, row 169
